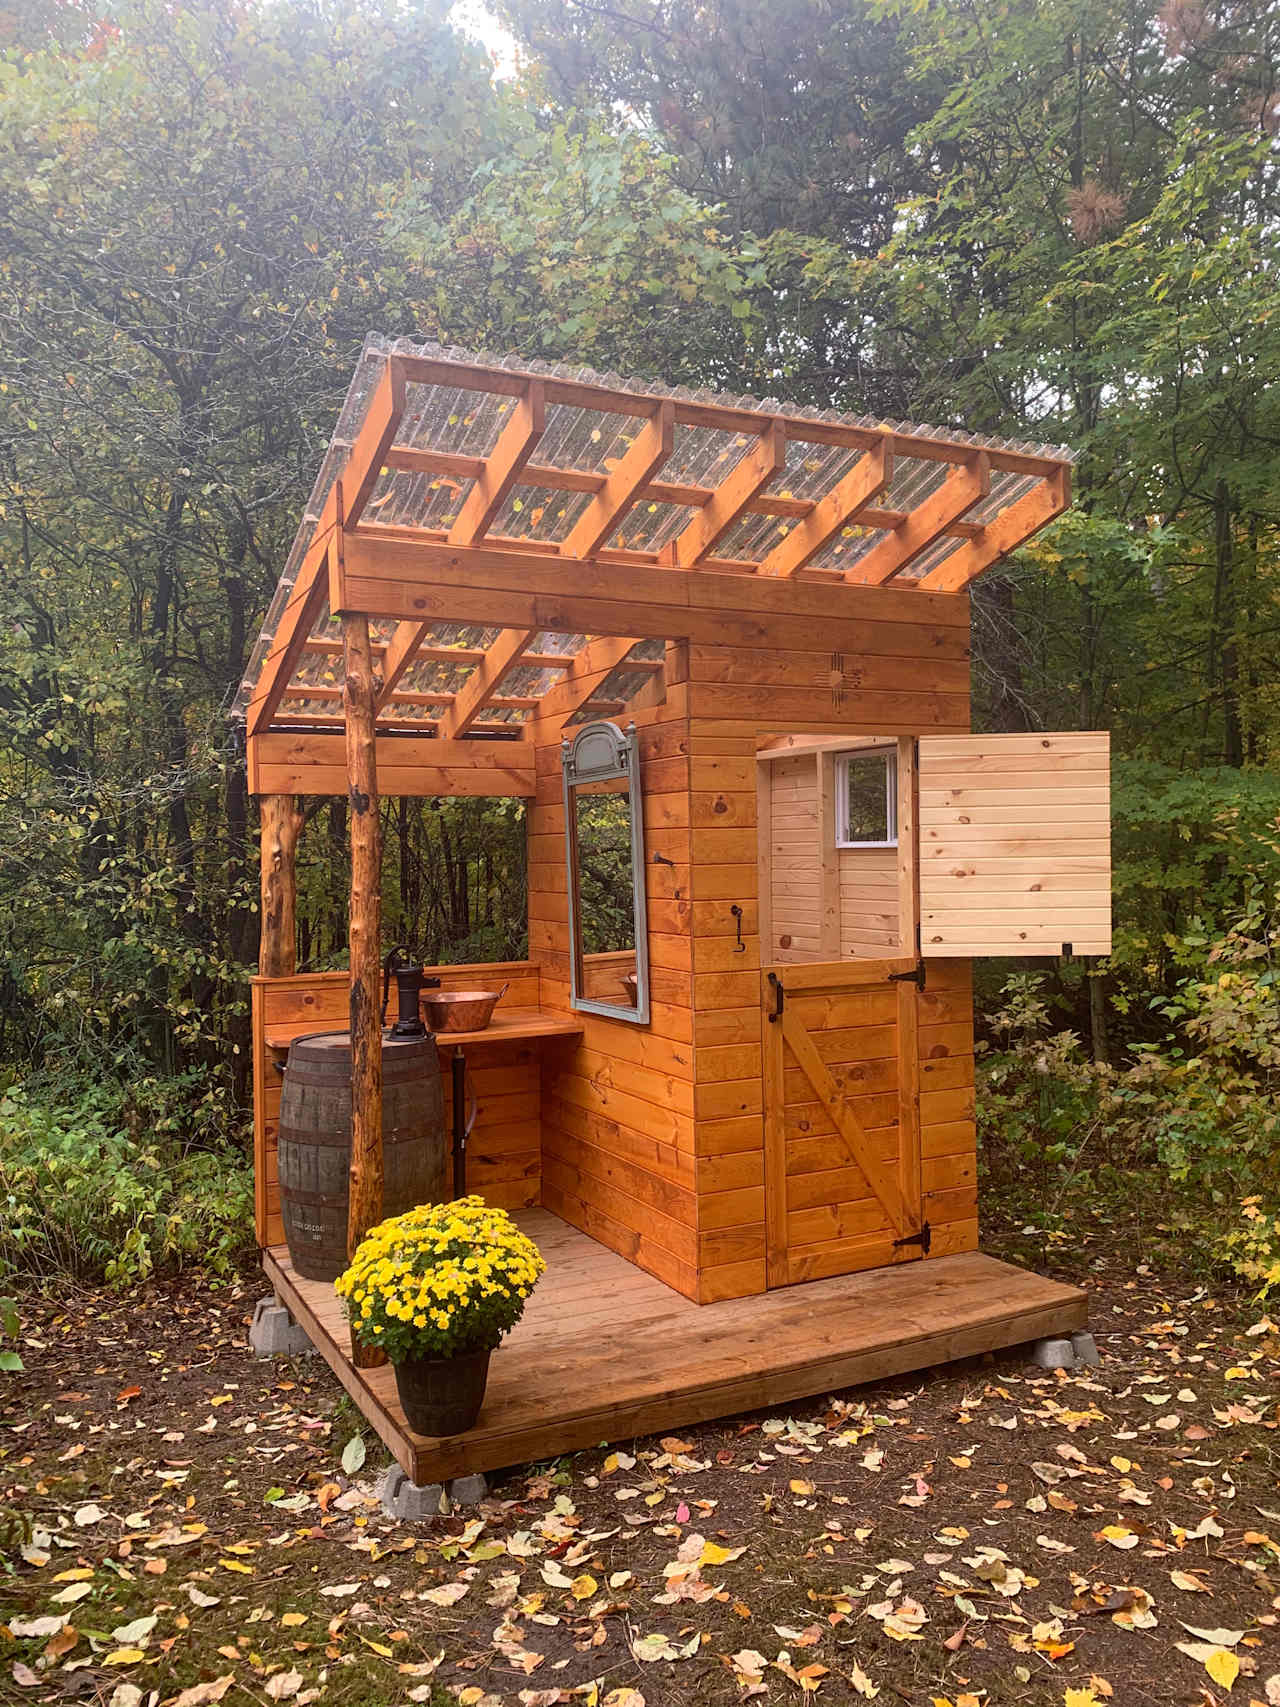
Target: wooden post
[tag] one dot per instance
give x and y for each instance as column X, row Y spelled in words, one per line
column 364, row 936
column 281, row 822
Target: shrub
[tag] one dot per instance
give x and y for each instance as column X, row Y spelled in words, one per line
column 90, row 1195
column 1196, row 1107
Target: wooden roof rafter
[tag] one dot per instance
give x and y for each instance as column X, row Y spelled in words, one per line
column 857, row 505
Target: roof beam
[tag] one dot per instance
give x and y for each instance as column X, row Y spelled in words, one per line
column 400, row 653
column 297, row 619
column 959, row 492
column 342, row 508
column 865, row 480
column 590, row 668
column 727, row 502
column 649, row 450
column 659, row 491
column 503, row 466
column 1003, row 533
column 485, row 585
column 483, row 682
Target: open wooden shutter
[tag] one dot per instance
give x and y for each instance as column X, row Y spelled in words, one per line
column 1015, row 844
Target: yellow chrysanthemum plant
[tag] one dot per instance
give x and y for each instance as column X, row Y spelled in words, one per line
column 445, row 1280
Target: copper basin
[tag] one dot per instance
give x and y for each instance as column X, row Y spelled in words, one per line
column 460, row 1010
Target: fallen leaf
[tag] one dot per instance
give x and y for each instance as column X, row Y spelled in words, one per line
column 283, row 1685
column 202, row 1694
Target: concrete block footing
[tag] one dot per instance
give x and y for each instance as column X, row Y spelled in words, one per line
column 1054, row 1354
column 1078, row 1352
column 274, row 1333
column 1086, row 1350
column 411, row 1502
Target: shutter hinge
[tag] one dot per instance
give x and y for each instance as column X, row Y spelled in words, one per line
column 915, row 976
column 779, row 998
column 924, row 1238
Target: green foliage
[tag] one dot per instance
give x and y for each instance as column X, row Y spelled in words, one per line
column 10, row 1361
column 1197, row 1107
column 102, row 1187
column 605, row 875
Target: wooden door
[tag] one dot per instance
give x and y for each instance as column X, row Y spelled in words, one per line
column 1015, row 844
column 841, row 1118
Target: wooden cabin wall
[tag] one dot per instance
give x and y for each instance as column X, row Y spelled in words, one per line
column 504, row 1150
column 865, row 902
column 868, row 901
column 618, row 1117
column 907, row 679
column 794, row 859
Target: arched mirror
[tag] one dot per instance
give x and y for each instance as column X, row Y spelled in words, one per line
column 604, row 850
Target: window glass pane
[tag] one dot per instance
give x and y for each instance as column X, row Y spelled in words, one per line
column 868, row 799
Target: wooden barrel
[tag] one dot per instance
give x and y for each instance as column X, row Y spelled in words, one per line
column 315, row 1141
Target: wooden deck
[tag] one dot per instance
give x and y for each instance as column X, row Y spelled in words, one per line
column 606, row 1352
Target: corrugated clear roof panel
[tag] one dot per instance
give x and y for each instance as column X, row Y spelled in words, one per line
column 590, row 439
column 622, row 683
column 930, row 558
column 364, row 381
column 313, row 705
column 404, row 499
column 431, row 675
column 1006, row 489
column 397, row 712
column 704, row 456
column 847, row 546
column 539, row 512
column 446, row 418
column 914, row 479
column 648, row 525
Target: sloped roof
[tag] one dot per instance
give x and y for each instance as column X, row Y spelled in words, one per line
column 546, row 458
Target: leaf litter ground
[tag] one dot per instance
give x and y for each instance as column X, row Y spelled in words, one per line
column 188, row 1525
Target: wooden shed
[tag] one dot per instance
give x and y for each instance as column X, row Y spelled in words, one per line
column 738, row 1116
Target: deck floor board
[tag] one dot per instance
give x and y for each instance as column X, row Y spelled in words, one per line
column 625, row 1355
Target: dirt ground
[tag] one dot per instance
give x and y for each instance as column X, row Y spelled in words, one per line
column 180, row 1528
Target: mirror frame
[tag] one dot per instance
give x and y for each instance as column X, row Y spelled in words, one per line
column 601, row 752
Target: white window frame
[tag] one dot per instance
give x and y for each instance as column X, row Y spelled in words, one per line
column 890, row 758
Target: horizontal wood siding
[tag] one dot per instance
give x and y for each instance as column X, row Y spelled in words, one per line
column 1015, row 842
column 505, row 1146
column 868, row 901
column 795, row 863
column 618, row 1109
column 904, row 678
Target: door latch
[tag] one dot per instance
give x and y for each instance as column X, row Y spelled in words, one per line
column 924, row 1238
column 779, row 998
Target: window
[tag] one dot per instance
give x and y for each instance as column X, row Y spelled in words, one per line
column 867, row 798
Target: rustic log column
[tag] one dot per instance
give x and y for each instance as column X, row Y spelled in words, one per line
column 281, row 823
column 364, row 935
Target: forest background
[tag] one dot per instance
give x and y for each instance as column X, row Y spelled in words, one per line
column 1045, row 219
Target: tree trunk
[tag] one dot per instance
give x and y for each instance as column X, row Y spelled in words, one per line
column 281, row 822
column 364, row 937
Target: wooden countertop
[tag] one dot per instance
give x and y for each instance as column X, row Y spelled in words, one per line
column 508, row 1025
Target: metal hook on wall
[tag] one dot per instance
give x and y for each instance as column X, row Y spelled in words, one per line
column 736, row 910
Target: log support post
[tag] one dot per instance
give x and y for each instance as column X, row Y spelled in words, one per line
column 281, row 823
column 364, row 939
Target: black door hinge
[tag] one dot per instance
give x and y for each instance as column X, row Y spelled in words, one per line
column 915, row 976
column 924, row 1238
column 779, row 998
